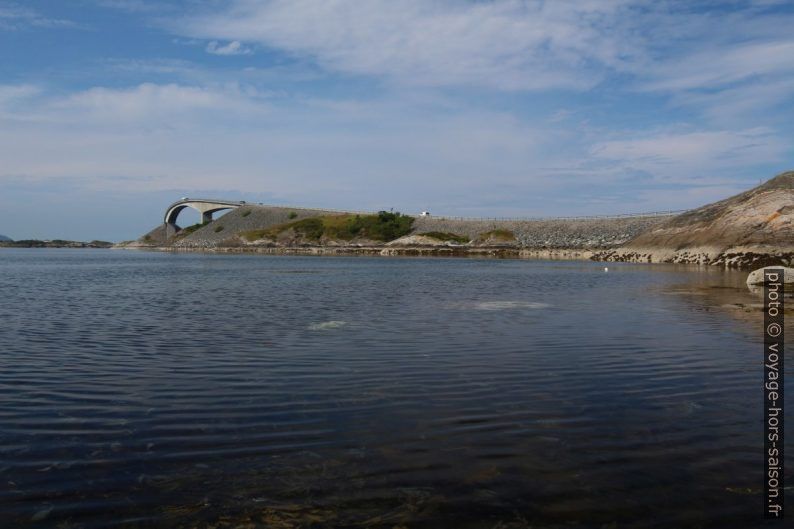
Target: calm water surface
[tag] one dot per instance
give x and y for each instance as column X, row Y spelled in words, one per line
column 161, row 390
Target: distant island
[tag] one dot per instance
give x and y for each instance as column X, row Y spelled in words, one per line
column 55, row 243
column 3, row 238
column 754, row 228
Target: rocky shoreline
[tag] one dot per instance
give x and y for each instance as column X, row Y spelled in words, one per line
column 733, row 258
column 404, row 251
column 741, row 261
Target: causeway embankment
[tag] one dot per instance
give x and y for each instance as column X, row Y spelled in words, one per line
column 754, row 228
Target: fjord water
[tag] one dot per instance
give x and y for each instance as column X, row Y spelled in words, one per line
column 191, row 390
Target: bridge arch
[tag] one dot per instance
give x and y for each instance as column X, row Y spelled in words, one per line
column 205, row 206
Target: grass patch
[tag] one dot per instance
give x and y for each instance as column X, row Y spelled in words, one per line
column 309, row 228
column 292, row 215
column 499, row 235
column 218, row 229
column 184, row 232
column 246, row 213
column 444, row 236
column 384, row 226
column 254, row 235
column 147, row 238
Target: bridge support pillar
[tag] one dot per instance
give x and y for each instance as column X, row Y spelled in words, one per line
column 170, row 229
column 205, row 207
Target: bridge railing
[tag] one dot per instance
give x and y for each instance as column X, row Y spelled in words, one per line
column 504, row 219
column 577, row 217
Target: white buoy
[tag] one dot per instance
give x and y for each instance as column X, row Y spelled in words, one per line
column 606, row 269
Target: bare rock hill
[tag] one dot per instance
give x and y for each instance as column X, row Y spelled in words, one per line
column 753, row 228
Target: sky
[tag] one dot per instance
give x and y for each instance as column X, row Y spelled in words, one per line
column 112, row 109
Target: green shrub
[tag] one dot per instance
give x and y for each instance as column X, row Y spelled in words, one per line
column 444, row 236
column 310, row 228
column 246, row 212
column 218, row 229
column 292, row 215
column 184, row 232
column 384, row 226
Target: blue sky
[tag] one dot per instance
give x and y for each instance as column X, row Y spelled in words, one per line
column 112, row 109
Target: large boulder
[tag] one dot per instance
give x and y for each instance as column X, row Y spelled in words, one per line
column 756, row 277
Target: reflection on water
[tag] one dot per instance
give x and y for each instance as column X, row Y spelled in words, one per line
column 327, row 325
column 142, row 390
column 502, row 305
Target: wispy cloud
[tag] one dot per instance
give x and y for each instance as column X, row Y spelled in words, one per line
column 505, row 44
column 686, row 155
column 728, row 66
column 14, row 17
column 742, row 103
column 326, row 151
column 514, row 45
column 154, row 104
column 131, row 6
column 232, row 48
column 724, row 66
column 10, row 93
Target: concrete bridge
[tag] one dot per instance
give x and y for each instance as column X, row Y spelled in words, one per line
column 205, row 206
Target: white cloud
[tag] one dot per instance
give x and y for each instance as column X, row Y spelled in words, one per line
column 687, row 155
column 725, row 65
column 232, row 48
column 743, row 103
column 375, row 154
column 675, row 49
column 131, row 6
column 14, row 17
column 173, row 136
column 503, row 44
column 155, row 103
column 11, row 93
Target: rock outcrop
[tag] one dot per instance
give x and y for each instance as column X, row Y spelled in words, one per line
column 754, row 228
